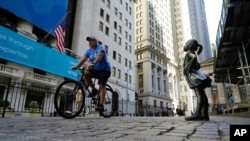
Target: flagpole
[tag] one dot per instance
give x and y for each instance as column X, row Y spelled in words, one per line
column 59, row 22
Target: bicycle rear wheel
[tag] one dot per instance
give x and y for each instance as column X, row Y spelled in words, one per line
column 69, row 99
column 109, row 103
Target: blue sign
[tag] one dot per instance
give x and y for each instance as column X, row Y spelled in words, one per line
column 45, row 14
column 19, row 49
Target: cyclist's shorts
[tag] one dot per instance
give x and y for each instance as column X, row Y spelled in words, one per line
column 101, row 75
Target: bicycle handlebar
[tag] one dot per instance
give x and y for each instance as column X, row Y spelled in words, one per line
column 82, row 69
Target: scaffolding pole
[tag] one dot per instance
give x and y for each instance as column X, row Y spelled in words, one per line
column 244, row 76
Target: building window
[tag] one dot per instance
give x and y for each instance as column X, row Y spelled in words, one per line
column 126, row 62
column 185, row 88
column 120, row 16
column 101, row 26
column 115, row 25
column 107, row 31
column 126, row 34
column 159, row 82
column 116, row 11
column 119, row 58
column 140, row 56
column 170, row 86
column 114, row 55
column 161, row 104
column 165, row 85
column 127, row 97
column 153, row 84
column 130, row 11
column 106, row 49
column 155, row 103
column 115, row 37
column 140, row 81
column 126, row 22
column 108, row 3
column 119, row 41
column 102, row 13
column 113, row 71
column 107, row 18
column 119, row 74
column 120, row 29
column 126, row 46
column 126, row 77
column 130, row 48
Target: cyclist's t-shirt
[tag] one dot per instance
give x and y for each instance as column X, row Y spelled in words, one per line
column 104, row 64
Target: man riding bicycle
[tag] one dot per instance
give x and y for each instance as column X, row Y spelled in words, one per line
column 100, row 69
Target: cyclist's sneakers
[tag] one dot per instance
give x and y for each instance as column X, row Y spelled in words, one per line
column 93, row 93
column 99, row 108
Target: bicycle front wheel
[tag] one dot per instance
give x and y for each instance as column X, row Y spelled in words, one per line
column 69, row 99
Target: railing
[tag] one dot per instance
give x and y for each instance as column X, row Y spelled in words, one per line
column 40, row 78
column 11, row 71
column 19, row 96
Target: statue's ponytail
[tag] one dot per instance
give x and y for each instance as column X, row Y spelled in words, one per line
column 200, row 49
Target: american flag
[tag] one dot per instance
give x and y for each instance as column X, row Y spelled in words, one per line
column 60, row 36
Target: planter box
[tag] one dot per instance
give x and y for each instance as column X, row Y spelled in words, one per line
column 31, row 114
column 9, row 114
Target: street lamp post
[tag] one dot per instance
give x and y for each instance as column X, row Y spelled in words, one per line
column 127, row 99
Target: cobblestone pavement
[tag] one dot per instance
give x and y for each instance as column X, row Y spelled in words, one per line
column 117, row 129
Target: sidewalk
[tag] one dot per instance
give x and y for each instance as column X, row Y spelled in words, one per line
column 241, row 114
column 117, row 129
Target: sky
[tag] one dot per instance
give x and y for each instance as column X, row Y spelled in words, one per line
column 213, row 11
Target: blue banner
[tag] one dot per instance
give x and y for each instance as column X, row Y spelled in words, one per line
column 17, row 48
column 44, row 14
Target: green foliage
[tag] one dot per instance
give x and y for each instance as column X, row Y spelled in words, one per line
column 8, row 109
column 7, row 103
column 33, row 104
column 34, row 107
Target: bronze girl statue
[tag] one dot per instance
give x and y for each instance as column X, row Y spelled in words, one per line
column 191, row 65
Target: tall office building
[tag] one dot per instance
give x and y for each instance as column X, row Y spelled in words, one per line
column 178, row 19
column 199, row 29
column 157, row 55
column 111, row 22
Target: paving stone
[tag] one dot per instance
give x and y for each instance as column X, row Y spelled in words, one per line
column 117, row 129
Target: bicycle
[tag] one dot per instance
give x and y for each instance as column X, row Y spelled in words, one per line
column 67, row 96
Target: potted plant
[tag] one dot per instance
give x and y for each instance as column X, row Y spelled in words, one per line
column 9, row 112
column 33, row 105
column 33, row 110
column 6, row 102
